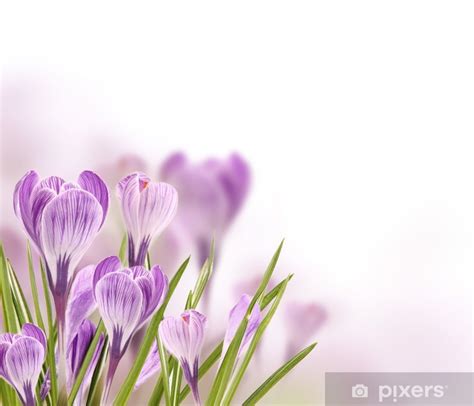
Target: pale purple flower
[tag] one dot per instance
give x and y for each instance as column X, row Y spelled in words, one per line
column 62, row 219
column 183, row 337
column 147, row 208
column 21, row 358
column 151, row 366
column 126, row 298
column 211, row 195
column 303, row 320
column 75, row 355
column 236, row 316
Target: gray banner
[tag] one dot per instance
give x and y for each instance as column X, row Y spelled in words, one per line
column 453, row 389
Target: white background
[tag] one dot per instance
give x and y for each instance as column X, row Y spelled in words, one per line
column 355, row 116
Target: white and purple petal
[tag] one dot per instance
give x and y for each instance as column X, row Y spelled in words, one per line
column 23, row 362
column 119, row 299
column 22, row 203
column 151, row 366
column 91, row 182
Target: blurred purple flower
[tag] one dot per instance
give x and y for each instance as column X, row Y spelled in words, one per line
column 236, row 316
column 21, row 358
column 76, row 353
column 303, row 320
column 62, row 219
column 183, row 337
column 152, row 365
column 211, row 194
column 126, row 298
column 147, row 209
column 46, row 385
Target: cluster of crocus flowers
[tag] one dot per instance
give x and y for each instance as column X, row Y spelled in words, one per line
column 21, row 358
column 62, row 219
column 126, row 299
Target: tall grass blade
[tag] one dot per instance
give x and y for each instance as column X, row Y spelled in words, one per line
column 34, row 288
column 274, row 378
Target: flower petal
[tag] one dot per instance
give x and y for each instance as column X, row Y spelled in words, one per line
column 70, row 223
column 150, row 367
column 30, row 330
column 23, row 363
column 21, row 201
column 4, row 347
column 120, row 304
column 107, row 265
column 81, row 302
column 91, row 182
column 154, row 286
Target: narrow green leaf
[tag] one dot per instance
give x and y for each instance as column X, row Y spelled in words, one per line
column 85, row 363
column 232, row 388
column 95, row 388
column 203, row 279
column 147, row 342
column 51, row 336
column 274, row 378
column 9, row 317
column 225, row 370
column 19, row 297
column 34, row 288
column 164, row 371
column 123, row 249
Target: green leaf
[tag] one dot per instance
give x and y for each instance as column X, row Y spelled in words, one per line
column 203, row 279
column 20, row 303
column 147, row 342
column 225, row 370
column 273, row 379
column 51, row 358
column 95, row 389
column 9, row 317
column 123, row 249
column 34, row 289
column 232, row 388
column 164, row 371
column 85, row 363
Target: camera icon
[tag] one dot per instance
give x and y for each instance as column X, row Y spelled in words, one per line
column 360, row 391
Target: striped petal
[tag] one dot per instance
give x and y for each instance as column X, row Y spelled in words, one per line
column 104, row 267
column 30, row 330
column 154, row 285
column 151, row 366
column 120, row 304
column 81, row 302
column 69, row 224
column 21, row 201
column 23, row 362
column 91, row 182
column 4, row 347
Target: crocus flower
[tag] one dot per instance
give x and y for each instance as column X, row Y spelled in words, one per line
column 183, row 337
column 303, row 319
column 147, row 209
column 236, row 316
column 76, row 353
column 211, row 195
column 126, row 298
column 21, row 358
column 62, row 219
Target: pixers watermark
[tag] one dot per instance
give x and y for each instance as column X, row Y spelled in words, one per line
column 453, row 389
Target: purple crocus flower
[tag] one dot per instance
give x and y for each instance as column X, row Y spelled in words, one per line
column 147, row 209
column 21, row 358
column 183, row 337
column 126, row 298
column 62, row 219
column 303, row 319
column 76, row 353
column 236, row 316
column 211, row 195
